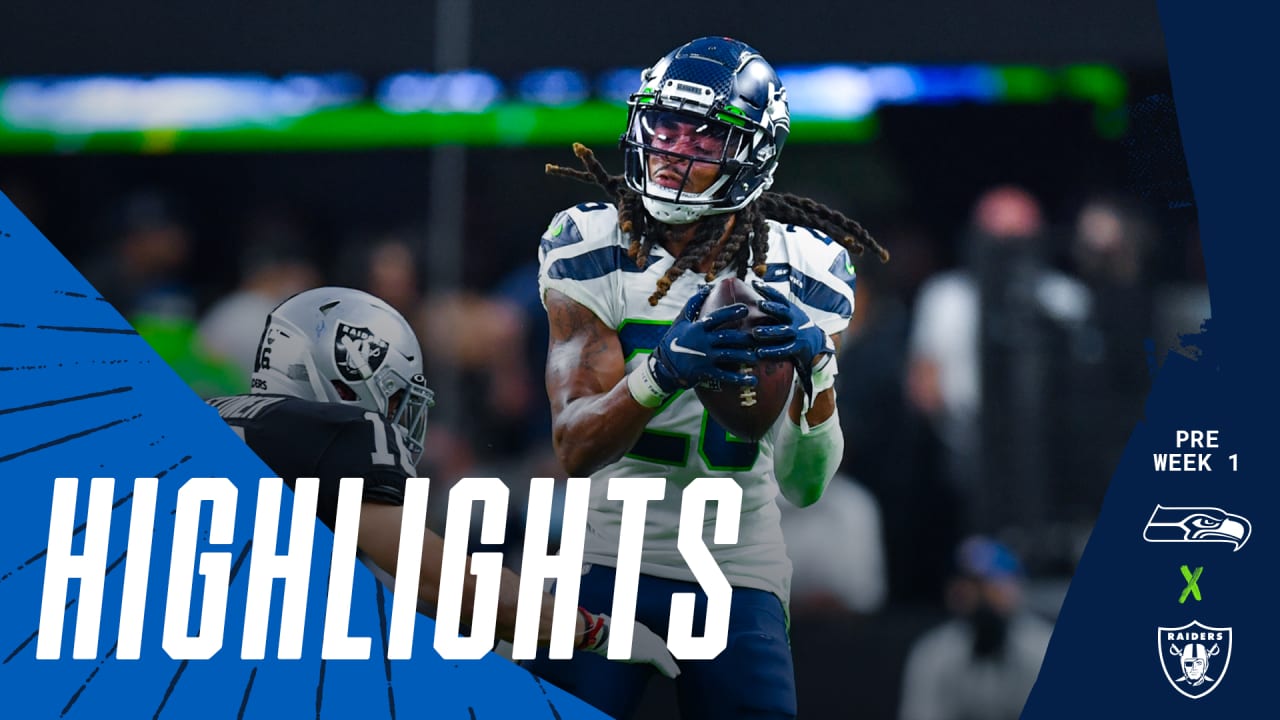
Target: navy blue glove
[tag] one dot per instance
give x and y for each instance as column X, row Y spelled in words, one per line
column 695, row 351
column 795, row 336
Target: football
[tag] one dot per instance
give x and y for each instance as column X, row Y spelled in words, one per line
column 748, row 413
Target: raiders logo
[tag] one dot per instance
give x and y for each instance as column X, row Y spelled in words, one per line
column 1195, row 657
column 358, row 352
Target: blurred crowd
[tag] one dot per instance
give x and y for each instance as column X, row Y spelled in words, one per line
column 989, row 382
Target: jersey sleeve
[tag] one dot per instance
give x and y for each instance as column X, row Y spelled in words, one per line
column 580, row 257
column 366, row 448
column 822, row 277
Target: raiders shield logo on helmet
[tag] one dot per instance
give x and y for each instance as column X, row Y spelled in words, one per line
column 358, row 352
column 1194, row 657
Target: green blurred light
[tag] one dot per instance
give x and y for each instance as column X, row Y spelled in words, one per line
column 1107, row 89
column 807, row 130
column 1026, row 84
column 1098, row 84
column 369, row 127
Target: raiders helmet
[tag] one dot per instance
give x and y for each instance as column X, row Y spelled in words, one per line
column 339, row 345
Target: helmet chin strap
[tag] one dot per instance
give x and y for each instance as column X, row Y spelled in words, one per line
column 674, row 213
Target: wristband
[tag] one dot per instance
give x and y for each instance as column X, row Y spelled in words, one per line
column 824, row 373
column 644, row 386
column 823, row 377
column 595, row 632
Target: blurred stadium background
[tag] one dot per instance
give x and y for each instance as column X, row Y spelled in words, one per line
column 200, row 161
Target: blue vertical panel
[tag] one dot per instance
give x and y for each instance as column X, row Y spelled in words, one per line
column 1107, row 658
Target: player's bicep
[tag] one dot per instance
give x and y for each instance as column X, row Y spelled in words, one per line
column 584, row 357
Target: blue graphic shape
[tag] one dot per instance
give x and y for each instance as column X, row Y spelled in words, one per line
column 1101, row 660
column 84, row 396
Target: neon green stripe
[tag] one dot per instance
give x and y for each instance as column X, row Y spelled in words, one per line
column 732, row 120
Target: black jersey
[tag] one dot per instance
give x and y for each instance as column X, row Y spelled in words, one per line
column 299, row 438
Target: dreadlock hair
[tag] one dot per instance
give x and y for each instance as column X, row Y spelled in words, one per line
column 748, row 243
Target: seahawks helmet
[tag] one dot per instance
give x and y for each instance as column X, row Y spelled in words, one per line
column 339, row 345
column 734, row 103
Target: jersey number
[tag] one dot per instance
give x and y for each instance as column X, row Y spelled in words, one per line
column 719, row 449
column 382, row 454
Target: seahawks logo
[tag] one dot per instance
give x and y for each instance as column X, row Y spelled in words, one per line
column 358, row 352
column 1197, row 524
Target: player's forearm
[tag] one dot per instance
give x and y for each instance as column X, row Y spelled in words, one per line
column 429, row 580
column 508, row 602
column 807, row 456
column 591, row 432
column 508, row 598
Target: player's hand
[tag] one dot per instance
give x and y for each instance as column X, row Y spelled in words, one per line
column 796, row 336
column 695, row 351
column 646, row 646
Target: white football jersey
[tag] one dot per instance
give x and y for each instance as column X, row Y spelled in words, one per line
column 584, row 256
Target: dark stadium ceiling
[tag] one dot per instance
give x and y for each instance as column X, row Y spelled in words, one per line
column 74, row 37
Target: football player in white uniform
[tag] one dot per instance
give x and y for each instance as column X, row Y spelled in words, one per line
column 623, row 285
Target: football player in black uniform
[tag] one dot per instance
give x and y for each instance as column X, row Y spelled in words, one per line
column 338, row 392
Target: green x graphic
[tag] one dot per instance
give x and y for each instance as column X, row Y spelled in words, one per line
column 1192, row 588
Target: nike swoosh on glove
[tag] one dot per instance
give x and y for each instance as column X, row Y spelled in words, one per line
column 646, row 646
column 694, row 351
